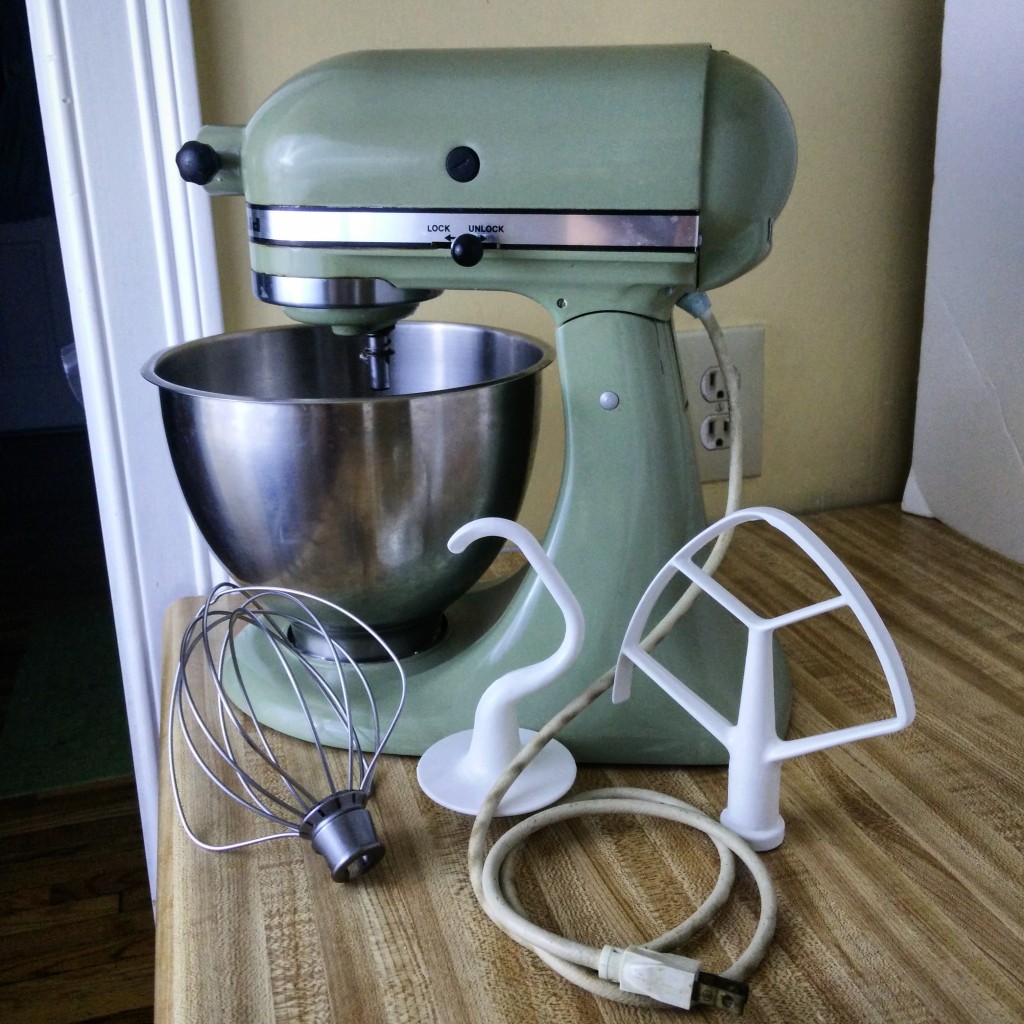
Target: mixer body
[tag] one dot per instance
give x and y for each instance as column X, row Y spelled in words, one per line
column 603, row 183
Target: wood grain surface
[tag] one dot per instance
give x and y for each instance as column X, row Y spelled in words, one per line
column 899, row 880
column 76, row 918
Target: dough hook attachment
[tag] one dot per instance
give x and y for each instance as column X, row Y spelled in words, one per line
column 756, row 752
column 459, row 770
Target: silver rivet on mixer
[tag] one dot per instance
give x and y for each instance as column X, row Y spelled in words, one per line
column 609, row 400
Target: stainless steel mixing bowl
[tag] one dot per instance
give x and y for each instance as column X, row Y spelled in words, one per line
column 299, row 474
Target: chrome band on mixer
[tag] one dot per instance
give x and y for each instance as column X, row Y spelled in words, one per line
column 334, row 292
column 607, row 231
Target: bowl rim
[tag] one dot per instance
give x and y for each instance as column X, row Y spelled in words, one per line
column 151, row 368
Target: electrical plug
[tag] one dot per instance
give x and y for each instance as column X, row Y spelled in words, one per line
column 671, row 979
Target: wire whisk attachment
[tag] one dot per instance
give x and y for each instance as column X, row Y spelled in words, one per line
column 215, row 713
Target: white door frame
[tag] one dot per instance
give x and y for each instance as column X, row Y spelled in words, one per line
column 118, row 95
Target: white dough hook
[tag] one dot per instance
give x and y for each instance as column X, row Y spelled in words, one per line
column 756, row 752
column 459, row 770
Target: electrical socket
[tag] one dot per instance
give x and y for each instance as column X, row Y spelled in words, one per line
column 704, row 392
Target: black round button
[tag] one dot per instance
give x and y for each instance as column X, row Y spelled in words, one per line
column 197, row 162
column 468, row 250
column 462, row 164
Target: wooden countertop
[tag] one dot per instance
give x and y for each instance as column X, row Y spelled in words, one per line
column 899, row 882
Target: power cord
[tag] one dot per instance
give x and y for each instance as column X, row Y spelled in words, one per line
column 639, row 975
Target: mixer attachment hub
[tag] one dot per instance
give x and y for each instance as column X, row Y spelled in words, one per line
column 342, row 832
column 198, row 163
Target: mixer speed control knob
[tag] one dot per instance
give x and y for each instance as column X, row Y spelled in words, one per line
column 468, row 250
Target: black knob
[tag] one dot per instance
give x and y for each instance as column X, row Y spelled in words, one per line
column 468, row 250
column 462, row 164
column 197, row 162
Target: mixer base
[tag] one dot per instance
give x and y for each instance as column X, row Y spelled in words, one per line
column 404, row 639
column 707, row 649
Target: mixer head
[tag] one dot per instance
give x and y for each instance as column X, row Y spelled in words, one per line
column 612, row 177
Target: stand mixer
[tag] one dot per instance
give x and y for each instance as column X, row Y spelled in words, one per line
column 604, row 184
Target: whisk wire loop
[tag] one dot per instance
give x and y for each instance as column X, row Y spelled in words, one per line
column 276, row 639
column 225, row 712
column 223, row 733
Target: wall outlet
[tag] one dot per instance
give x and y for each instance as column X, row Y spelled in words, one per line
column 704, row 392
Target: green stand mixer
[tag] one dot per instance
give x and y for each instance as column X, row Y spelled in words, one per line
column 340, row 455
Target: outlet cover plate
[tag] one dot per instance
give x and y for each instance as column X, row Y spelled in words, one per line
column 745, row 346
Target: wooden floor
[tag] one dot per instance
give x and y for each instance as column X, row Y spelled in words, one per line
column 76, row 922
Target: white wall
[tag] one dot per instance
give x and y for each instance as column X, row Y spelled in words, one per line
column 968, row 468
column 117, row 92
